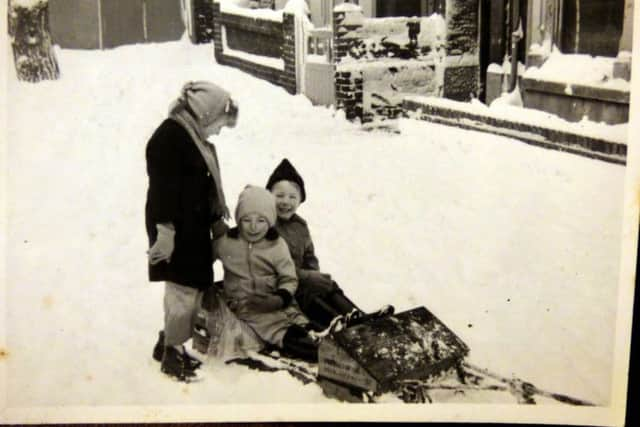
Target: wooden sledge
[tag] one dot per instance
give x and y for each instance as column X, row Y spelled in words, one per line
column 379, row 355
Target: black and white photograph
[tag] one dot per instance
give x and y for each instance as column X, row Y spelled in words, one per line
column 318, row 210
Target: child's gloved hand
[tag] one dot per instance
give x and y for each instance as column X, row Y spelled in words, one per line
column 162, row 249
column 259, row 304
column 320, row 280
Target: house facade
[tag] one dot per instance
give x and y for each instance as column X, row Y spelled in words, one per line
column 585, row 34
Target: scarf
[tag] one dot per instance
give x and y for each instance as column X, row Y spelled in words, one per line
column 208, row 152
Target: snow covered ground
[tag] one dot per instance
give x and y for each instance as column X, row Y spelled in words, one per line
column 514, row 247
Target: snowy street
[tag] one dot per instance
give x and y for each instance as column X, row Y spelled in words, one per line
column 514, row 247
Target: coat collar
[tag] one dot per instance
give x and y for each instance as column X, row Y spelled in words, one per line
column 294, row 218
column 271, row 235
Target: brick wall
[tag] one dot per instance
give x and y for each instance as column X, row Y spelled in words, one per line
column 539, row 135
column 349, row 93
column 258, row 37
column 288, row 77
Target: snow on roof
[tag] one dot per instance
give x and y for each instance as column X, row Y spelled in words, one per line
column 529, row 116
column 578, row 69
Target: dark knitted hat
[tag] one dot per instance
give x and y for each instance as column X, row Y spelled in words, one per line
column 286, row 172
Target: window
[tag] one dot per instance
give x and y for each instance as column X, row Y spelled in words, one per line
column 592, row 26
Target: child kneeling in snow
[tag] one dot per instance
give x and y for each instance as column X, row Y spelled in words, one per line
column 260, row 277
column 320, row 298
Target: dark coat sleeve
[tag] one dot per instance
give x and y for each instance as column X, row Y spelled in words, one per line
column 164, row 167
column 309, row 260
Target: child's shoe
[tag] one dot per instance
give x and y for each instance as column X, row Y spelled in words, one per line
column 158, row 351
column 176, row 365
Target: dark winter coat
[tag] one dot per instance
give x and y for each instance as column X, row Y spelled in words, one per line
column 181, row 191
column 296, row 233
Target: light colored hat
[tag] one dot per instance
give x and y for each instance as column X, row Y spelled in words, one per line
column 258, row 200
column 206, row 101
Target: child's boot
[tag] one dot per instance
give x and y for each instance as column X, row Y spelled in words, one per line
column 341, row 303
column 158, row 351
column 299, row 344
column 176, row 365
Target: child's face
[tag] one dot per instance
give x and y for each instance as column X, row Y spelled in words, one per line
column 287, row 198
column 253, row 227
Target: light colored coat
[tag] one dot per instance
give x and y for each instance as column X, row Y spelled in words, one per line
column 260, row 268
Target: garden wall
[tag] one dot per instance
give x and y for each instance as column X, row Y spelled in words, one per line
column 259, row 43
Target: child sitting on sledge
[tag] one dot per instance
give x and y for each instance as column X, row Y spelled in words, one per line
column 260, row 277
column 320, row 297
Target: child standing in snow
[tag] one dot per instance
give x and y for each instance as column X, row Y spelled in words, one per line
column 184, row 200
column 320, row 298
column 260, row 276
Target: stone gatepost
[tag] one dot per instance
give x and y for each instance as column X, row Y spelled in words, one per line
column 288, row 79
column 348, row 81
column 202, row 12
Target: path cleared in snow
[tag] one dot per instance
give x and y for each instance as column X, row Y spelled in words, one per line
column 514, row 247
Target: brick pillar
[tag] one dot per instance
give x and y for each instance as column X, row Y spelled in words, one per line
column 347, row 18
column 288, row 79
column 349, row 93
column 217, row 32
column 202, row 16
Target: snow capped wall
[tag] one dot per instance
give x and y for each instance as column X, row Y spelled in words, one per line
column 575, row 86
column 385, row 86
column 241, row 8
column 260, row 42
column 433, row 55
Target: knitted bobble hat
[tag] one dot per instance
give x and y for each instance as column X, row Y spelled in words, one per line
column 286, row 172
column 255, row 199
column 205, row 100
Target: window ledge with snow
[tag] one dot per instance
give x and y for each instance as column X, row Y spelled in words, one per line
column 610, row 93
column 575, row 74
